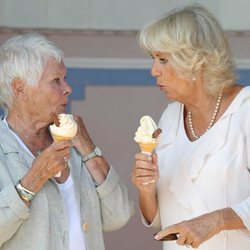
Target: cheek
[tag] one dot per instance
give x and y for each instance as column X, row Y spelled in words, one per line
column 171, row 74
column 167, row 75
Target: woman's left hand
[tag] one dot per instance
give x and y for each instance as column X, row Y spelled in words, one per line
column 82, row 141
column 97, row 166
column 195, row 231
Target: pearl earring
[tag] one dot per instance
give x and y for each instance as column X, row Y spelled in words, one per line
column 193, row 78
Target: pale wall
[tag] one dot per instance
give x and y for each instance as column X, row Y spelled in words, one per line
column 111, row 14
column 112, row 111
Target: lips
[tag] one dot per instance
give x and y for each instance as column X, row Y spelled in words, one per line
column 64, row 104
column 161, row 86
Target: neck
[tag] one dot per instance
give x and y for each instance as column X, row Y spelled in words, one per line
column 211, row 122
column 35, row 135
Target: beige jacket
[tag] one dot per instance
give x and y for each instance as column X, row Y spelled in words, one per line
column 44, row 225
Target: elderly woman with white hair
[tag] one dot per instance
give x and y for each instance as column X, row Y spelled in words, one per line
column 197, row 189
column 37, row 209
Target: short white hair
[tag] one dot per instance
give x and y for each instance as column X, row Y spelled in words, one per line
column 24, row 57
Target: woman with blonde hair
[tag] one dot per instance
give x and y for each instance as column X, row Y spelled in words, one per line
column 197, row 187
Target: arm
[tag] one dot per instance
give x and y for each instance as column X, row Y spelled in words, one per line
column 197, row 230
column 97, row 166
column 144, row 176
column 13, row 212
column 115, row 205
column 47, row 165
column 13, row 209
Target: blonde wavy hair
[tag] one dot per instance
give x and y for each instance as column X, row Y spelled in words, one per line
column 196, row 43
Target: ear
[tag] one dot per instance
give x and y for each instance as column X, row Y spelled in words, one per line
column 19, row 88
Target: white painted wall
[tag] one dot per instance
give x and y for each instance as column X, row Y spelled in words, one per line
column 111, row 14
column 112, row 113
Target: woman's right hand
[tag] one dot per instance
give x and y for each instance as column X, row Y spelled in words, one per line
column 49, row 162
column 145, row 173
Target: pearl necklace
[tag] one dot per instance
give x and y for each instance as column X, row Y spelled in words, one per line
column 190, row 122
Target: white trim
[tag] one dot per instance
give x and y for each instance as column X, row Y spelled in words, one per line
column 108, row 63
column 243, row 63
column 128, row 63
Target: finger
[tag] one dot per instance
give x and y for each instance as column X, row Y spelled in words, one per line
column 144, row 165
column 145, row 176
column 164, row 234
column 169, row 237
column 66, row 159
column 143, row 157
column 143, row 180
column 195, row 244
column 154, row 158
column 146, row 183
column 59, row 145
column 144, row 172
column 182, row 240
column 78, row 118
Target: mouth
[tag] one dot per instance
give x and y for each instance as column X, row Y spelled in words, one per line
column 162, row 87
column 64, row 105
column 61, row 108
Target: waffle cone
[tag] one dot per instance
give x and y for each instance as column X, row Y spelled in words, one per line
column 147, row 147
column 61, row 138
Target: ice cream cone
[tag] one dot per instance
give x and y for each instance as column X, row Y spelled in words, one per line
column 57, row 138
column 147, row 148
column 63, row 129
column 60, row 138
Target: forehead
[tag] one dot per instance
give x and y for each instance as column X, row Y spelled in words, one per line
column 53, row 67
column 159, row 54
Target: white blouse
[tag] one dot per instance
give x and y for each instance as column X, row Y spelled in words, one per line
column 207, row 174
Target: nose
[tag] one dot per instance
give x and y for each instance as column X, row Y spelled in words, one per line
column 67, row 90
column 155, row 70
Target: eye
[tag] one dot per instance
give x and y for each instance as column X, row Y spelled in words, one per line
column 163, row 60
column 57, row 80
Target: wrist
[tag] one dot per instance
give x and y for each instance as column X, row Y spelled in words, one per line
column 221, row 220
column 84, row 148
column 94, row 153
column 24, row 193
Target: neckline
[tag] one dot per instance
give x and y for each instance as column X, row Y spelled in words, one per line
column 19, row 140
column 231, row 107
column 191, row 126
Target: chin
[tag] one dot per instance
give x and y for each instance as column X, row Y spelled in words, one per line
column 168, row 96
column 61, row 109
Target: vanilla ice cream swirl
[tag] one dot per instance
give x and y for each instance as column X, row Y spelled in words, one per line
column 67, row 128
column 145, row 130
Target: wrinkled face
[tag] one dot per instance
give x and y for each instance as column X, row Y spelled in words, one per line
column 167, row 78
column 51, row 92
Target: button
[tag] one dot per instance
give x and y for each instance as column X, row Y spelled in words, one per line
column 85, row 227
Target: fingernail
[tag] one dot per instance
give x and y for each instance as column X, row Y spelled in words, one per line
column 156, row 237
column 149, row 158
